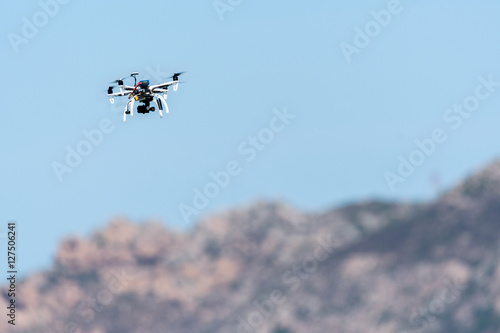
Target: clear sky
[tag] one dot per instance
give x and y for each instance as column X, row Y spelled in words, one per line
column 355, row 112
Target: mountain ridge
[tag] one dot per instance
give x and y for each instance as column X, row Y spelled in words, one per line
column 370, row 266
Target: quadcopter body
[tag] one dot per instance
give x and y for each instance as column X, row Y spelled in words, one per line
column 145, row 94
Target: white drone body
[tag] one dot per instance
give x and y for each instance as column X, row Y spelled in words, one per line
column 144, row 93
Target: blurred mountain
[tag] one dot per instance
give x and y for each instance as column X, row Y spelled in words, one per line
column 366, row 267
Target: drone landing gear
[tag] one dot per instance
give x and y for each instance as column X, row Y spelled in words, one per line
column 160, row 101
column 128, row 111
column 145, row 108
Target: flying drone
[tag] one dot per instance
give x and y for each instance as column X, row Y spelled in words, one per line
column 143, row 92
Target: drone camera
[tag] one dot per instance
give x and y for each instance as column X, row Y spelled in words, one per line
column 142, row 109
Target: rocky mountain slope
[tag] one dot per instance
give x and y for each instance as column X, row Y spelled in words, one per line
column 367, row 267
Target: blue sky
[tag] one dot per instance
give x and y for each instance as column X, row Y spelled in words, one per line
column 352, row 119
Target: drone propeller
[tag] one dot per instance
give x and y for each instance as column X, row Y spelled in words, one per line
column 175, row 77
column 119, row 82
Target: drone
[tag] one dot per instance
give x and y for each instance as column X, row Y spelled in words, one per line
column 143, row 92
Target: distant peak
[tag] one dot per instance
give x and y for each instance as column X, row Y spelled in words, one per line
column 485, row 182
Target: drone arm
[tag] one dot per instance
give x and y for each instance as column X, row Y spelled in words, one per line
column 162, row 85
column 125, row 90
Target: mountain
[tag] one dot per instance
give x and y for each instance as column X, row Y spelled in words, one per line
column 365, row 267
